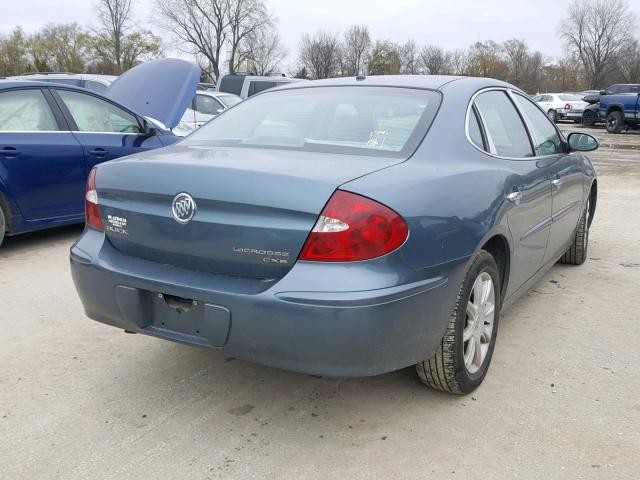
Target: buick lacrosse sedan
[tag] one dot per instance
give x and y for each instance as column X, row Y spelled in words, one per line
column 344, row 227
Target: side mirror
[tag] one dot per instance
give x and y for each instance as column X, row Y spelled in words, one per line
column 219, row 111
column 602, row 92
column 147, row 129
column 582, row 142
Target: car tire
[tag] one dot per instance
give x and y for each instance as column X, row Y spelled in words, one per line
column 577, row 252
column 615, row 122
column 3, row 224
column 588, row 118
column 454, row 368
column 552, row 116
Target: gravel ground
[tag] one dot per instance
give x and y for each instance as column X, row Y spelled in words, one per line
column 80, row 400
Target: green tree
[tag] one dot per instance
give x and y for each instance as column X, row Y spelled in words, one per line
column 385, row 58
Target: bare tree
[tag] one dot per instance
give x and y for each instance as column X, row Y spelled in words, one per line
column 459, row 60
column 486, row 60
column 202, row 25
column 409, row 57
column 265, row 52
column 115, row 17
column 320, row 54
column 357, row 44
column 246, row 18
column 435, row 60
column 628, row 63
column 597, row 31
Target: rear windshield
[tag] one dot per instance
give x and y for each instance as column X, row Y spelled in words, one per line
column 231, row 84
column 570, row 98
column 381, row 121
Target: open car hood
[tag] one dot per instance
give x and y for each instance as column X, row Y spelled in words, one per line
column 160, row 89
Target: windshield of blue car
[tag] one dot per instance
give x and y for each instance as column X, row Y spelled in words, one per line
column 381, row 121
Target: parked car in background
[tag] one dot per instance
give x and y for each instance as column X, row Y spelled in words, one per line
column 94, row 82
column 342, row 227
column 206, row 105
column 246, row 86
column 619, row 107
column 52, row 135
column 561, row 106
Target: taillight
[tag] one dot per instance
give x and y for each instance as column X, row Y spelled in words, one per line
column 353, row 228
column 91, row 208
column 568, row 106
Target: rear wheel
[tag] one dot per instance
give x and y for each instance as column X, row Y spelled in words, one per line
column 552, row 115
column 577, row 253
column 464, row 354
column 615, row 122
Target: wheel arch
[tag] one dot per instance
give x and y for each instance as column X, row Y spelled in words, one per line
column 6, row 209
column 614, row 108
column 498, row 246
column 593, row 199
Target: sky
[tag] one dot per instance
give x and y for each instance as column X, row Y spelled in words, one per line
column 449, row 23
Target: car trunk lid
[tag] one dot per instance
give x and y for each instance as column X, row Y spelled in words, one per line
column 254, row 207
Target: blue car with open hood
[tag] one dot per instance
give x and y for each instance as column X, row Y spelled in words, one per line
column 344, row 227
column 52, row 135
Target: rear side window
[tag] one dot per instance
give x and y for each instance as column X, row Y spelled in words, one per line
column 380, row 121
column 231, row 84
column 259, row 86
column 546, row 138
column 25, row 111
column 475, row 133
column 506, row 134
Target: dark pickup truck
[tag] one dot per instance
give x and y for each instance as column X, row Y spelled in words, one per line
column 620, row 107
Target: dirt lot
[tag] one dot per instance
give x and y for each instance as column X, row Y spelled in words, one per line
column 80, row 400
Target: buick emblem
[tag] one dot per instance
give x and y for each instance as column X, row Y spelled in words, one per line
column 183, row 208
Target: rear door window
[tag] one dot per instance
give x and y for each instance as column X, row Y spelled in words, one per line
column 506, row 133
column 25, row 111
column 475, row 132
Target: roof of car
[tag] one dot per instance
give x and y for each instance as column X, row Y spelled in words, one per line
column 5, row 84
column 432, row 82
column 65, row 76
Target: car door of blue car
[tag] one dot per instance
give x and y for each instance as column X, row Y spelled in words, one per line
column 41, row 162
column 105, row 130
column 527, row 189
column 565, row 172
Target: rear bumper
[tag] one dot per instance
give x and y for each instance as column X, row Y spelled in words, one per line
column 564, row 114
column 342, row 332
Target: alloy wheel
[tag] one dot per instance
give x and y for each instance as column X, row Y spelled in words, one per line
column 478, row 329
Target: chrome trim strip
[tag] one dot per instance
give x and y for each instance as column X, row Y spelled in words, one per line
column 536, row 228
column 35, row 131
column 565, row 210
column 466, row 128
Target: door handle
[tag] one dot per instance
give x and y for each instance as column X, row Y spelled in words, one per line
column 557, row 182
column 10, row 152
column 98, row 152
column 515, row 197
